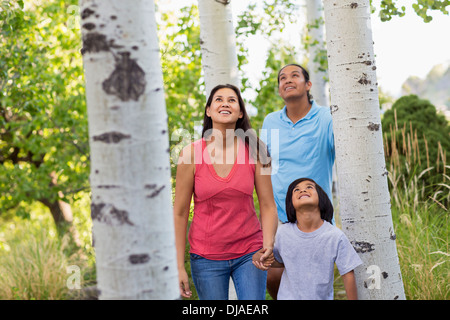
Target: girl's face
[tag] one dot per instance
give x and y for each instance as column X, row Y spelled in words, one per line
column 224, row 107
column 305, row 193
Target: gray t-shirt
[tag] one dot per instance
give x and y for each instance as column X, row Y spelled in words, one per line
column 309, row 260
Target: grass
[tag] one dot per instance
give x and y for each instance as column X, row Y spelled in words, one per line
column 34, row 261
column 420, row 216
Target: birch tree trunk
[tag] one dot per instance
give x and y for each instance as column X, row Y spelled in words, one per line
column 314, row 11
column 218, row 43
column 130, row 172
column 361, row 170
column 219, row 58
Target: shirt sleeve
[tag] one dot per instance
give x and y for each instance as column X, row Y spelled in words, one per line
column 347, row 259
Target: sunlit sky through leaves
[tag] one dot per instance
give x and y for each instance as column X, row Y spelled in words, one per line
column 404, row 46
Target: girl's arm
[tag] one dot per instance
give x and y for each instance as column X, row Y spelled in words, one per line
column 350, row 285
column 267, row 207
column 183, row 195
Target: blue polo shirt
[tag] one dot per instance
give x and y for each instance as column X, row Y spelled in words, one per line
column 304, row 149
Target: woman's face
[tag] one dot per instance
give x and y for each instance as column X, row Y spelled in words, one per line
column 224, row 107
column 305, row 193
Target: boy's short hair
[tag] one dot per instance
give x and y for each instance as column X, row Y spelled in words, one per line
column 325, row 205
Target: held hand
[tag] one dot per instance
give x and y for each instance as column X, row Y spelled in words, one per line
column 263, row 259
column 183, row 281
column 267, row 255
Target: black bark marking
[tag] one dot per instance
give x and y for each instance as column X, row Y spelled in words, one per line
column 135, row 47
column 121, row 216
column 127, row 81
column 89, row 26
column 363, row 80
column 354, row 5
column 113, row 45
column 86, row 13
column 224, row 2
column 155, row 192
column 166, row 268
column 373, row 126
column 384, row 274
column 111, row 137
column 396, row 297
column 96, row 209
column 139, row 258
column 362, row 246
column 392, row 235
column 94, row 42
column 109, row 214
column 107, row 187
column 113, row 17
column 333, row 108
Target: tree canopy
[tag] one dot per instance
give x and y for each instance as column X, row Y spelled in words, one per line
column 44, row 150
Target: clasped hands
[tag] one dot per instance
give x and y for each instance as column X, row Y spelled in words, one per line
column 263, row 259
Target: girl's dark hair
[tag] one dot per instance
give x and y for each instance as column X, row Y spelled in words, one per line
column 325, row 205
column 305, row 75
column 243, row 129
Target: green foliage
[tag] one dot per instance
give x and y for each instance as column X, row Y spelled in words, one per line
column 267, row 99
column 11, row 16
column 416, row 139
column 184, row 88
column 43, row 122
column 389, row 8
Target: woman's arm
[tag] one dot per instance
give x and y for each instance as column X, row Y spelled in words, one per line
column 267, row 208
column 183, row 194
column 350, row 285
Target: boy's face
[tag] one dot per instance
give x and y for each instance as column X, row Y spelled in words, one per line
column 305, row 194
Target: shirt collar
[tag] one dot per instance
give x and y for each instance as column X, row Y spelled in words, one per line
column 314, row 109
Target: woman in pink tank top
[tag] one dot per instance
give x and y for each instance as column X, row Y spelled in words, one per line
column 220, row 171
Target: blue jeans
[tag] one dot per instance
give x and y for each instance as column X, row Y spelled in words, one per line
column 212, row 278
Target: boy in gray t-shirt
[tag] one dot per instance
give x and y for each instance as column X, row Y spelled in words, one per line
column 309, row 259
column 309, row 246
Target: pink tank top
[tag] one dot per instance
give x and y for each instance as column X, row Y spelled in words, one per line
column 225, row 225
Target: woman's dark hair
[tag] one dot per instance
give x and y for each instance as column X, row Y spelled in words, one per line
column 243, row 129
column 325, row 205
column 305, row 75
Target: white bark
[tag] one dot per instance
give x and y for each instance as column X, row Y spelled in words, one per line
column 362, row 176
column 218, row 43
column 314, row 10
column 130, row 171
